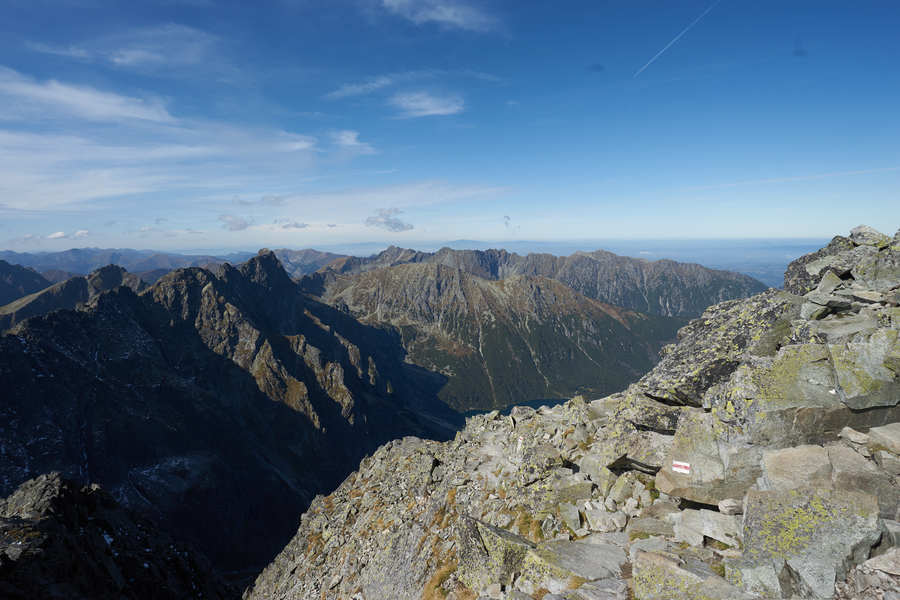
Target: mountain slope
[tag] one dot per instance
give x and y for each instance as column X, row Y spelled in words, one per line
column 217, row 404
column 68, row 294
column 759, row 459
column 661, row 287
column 518, row 339
column 17, row 281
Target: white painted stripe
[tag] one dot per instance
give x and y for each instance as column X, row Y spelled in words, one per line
column 681, row 467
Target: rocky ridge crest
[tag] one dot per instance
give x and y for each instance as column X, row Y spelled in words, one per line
column 759, row 459
column 662, row 287
column 68, row 294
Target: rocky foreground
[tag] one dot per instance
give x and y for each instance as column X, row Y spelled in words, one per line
column 759, row 459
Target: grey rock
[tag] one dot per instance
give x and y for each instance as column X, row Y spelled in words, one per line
column 869, row 236
column 790, row 468
column 693, row 525
column 888, row 461
column 730, row 506
column 886, row 436
column 657, row 577
column 814, row 536
column 850, row 471
column 857, row 437
column 570, row 516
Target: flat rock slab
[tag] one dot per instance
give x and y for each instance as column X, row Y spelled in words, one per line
column 657, row 577
column 588, row 561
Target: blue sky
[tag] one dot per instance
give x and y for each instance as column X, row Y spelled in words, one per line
column 202, row 124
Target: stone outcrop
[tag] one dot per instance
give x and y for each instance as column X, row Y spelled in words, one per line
column 757, row 460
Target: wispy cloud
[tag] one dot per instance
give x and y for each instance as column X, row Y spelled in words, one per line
column 22, row 96
column 348, row 141
column 57, row 235
column 170, row 46
column 425, row 104
column 234, row 223
column 286, row 223
column 367, row 87
column 449, row 13
column 386, row 218
column 388, row 80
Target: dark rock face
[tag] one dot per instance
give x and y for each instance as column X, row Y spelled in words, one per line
column 499, row 342
column 61, row 540
column 17, row 281
column 662, row 287
column 218, row 405
column 68, row 294
column 298, row 263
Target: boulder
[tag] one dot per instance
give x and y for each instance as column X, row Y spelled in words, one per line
column 790, row 468
column 692, row 526
column 850, row 471
column 805, row 539
column 869, row 236
column 886, row 437
column 488, row 554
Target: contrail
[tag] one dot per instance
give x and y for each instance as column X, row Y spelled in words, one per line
column 677, row 37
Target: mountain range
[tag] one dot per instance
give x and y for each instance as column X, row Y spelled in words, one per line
column 503, row 341
column 219, row 401
column 661, row 287
column 182, row 399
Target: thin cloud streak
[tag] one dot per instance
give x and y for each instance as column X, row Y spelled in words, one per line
column 423, row 104
column 21, row 93
column 449, row 13
column 677, row 37
column 793, row 179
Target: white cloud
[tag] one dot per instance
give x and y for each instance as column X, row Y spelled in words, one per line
column 81, row 233
column 57, row 235
column 152, row 48
column 286, row 223
column 424, row 104
column 381, row 82
column 348, row 140
column 21, row 95
column 449, row 13
column 233, row 223
column 386, row 218
column 366, row 87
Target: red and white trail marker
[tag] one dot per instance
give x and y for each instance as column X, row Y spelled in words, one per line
column 681, row 467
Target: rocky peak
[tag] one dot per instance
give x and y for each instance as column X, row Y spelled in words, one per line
column 266, row 271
